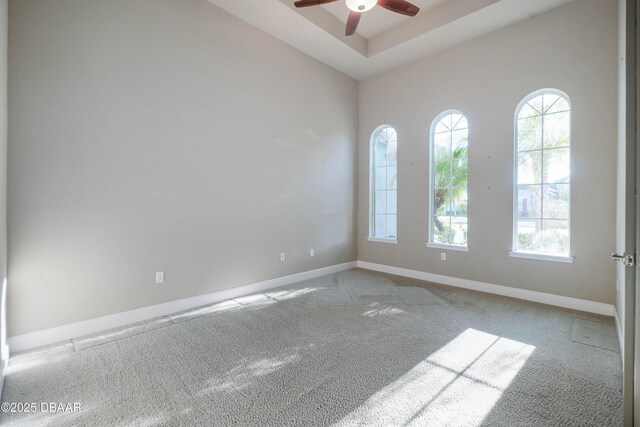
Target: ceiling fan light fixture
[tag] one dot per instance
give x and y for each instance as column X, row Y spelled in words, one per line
column 361, row 5
column 357, row 7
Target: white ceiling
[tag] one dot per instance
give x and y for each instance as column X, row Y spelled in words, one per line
column 386, row 40
column 378, row 19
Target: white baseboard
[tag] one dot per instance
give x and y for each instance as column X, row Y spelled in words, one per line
column 75, row 330
column 540, row 297
column 619, row 334
column 86, row 327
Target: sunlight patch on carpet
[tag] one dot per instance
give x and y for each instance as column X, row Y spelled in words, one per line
column 457, row 385
column 283, row 295
column 246, row 374
column 383, row 311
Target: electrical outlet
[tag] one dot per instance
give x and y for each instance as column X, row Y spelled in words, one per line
column 282, row 256
column 312, row 252
column 159, row 276
column 443, row 256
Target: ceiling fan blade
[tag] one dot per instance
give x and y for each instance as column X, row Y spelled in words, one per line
column 305, row 3
column 352, row 22
column 400, row 6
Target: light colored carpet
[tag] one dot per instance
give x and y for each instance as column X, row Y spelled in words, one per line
column 355, row 348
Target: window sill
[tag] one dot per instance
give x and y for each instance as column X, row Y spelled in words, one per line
column 379, row 240
column 542, row 257
column 447, row 247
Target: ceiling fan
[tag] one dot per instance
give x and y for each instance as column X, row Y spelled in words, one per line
column 357, row 7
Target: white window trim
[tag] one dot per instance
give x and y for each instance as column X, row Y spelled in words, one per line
column 541, row 257
column 538, row 255
column 372, row 178
column 379, row 240
column 435, row 122
column 447, row 247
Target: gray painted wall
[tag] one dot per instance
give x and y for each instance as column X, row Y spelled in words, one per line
column 573, row 49
column 166, row 135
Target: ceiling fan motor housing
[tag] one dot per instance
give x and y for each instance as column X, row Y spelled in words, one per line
column 361, row 5
column 357, row 7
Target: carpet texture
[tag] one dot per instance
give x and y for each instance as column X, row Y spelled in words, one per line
column 355, row 348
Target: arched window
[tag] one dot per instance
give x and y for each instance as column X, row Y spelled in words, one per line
column 449, row 173
column 383, row 210
column 542, row 198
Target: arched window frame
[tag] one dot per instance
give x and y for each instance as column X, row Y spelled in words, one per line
column 516, row 250
column 432, row 182
column 393, row 238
